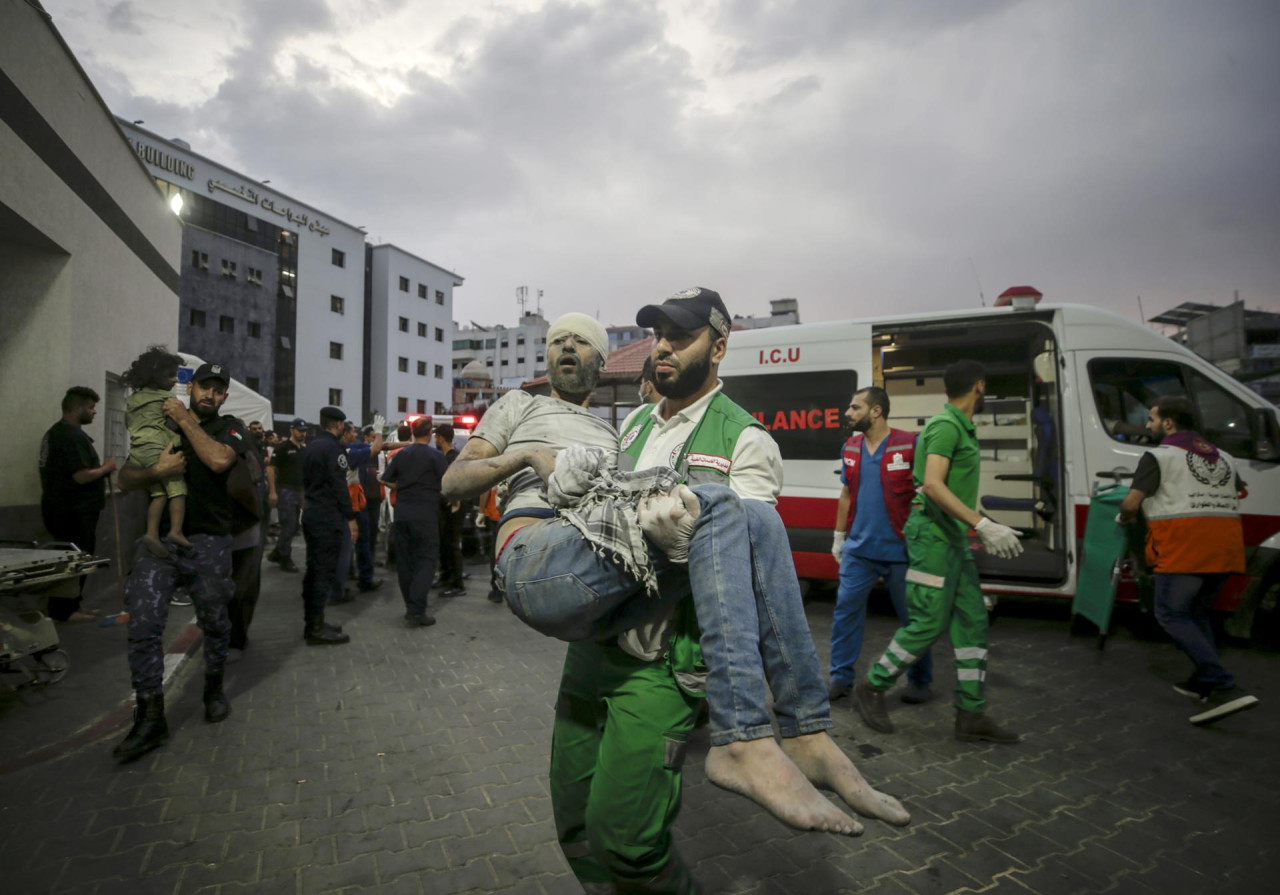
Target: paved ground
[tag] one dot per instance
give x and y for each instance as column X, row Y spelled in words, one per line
column 415, row 761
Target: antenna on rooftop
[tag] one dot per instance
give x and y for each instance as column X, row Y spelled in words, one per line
column 539, row 311
column 522, row 298
column 982, row 298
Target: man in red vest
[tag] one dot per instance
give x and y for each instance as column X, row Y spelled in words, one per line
column 875, row 470
column 1189, row 491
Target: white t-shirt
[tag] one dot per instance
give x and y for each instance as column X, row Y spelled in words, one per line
column 521, row 420
column 756, row 472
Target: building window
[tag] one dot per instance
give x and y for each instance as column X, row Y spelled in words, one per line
column 422, row 290
column 422, row 406
column 255, row 329
column 335, row 397
column 439, row 297
column 253, row 275
column 404, row 284
column 339, row 258
column 488, row 362
column 253, row 383
column 504, row 362
column 422, row 368
column 540, row 357
column 490, row 343
column 504, row 343
column 196, row 318
column 226, row 324
column 402, row 364
column 404, row 324
column 402, row 405
column 337, row 304
column 439, row 334
column 519, row 340
column 335, row 350
column 228, row 268
column 439, row 371
column 200, row 260
column 422, row 330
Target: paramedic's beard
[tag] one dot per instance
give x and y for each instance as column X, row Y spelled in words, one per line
column 863, row 425
column 685, row 383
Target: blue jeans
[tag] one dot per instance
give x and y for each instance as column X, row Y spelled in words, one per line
column 857, row 576
column 745, row 591
column 1182, row 606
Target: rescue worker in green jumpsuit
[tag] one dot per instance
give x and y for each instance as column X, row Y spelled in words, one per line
column 943, row 591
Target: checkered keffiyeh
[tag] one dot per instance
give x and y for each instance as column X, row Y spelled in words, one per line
column 599, row 500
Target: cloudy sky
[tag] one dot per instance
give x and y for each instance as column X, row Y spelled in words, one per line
column 864, row 157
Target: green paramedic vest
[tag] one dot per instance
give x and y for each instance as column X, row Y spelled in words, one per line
column 705, row 458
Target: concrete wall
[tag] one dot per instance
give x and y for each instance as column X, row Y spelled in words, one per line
column 244, row 302
column 89, row 251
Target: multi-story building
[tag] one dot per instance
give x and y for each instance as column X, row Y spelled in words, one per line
column 622, row 336
column 409, row 354
column 1240, row 340
column 513, row 355
column 782, row 312
column 270, row 285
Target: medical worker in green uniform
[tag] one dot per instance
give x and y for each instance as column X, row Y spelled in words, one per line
column 943, row 592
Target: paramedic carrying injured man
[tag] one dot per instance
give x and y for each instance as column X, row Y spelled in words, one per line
column 943, row 592
column 622, row 719
column 1189, row 491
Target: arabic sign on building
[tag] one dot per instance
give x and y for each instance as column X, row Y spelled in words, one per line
column 266, row 203
column 163, row 160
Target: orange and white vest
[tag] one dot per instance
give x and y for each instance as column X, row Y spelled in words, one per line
column 1193, row 518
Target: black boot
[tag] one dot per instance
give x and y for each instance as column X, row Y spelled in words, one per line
column 149, row 729
column 317, row 633
column 216, row 707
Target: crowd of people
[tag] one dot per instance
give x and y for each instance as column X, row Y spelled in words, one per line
column 655, row 551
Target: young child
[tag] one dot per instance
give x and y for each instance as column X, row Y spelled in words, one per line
column 152, row 377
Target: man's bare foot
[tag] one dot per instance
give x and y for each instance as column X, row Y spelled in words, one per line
column 179, row 538
column 826, row 766
column 761, row 771
column 154, row 547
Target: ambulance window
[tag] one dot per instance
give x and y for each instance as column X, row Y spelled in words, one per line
column 1124, row 390
column 804, row 412
column 1224, row 418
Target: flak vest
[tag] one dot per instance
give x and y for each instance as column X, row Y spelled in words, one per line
column 705, row 458
column 896, row 483
column 1193, row 518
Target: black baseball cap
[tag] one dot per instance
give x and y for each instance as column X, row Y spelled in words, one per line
column 691, row 309
column 298, row 423
column 211, row 371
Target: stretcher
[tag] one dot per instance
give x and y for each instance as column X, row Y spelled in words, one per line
column 30, row 573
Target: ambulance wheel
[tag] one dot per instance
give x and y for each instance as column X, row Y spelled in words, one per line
column 1266, row 616
column 50, row 666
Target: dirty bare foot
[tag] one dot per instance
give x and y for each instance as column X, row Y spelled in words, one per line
column 179, row 538
column 826, row 766
column 761, row 771
column 154, row 546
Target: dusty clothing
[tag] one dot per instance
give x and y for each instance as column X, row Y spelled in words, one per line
column 149, row 437
column 521, row 420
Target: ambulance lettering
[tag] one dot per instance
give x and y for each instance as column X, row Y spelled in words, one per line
column 777, row 356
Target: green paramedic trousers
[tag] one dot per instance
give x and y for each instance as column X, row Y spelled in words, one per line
column 943, row 594
column 619, row 740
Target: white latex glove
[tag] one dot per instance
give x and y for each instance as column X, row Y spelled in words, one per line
column 837, row 545
column 1000, row 540
column 668, row 519
column 379, row 423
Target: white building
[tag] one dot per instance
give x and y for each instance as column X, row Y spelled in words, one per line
column 410, row 333
column 513, row 355
column 89, row 258
column 319, row 291
column 782, row 312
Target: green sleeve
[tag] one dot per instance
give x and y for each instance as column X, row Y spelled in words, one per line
column 941, row 438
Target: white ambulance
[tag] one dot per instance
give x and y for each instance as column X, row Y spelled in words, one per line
column 1067, row 387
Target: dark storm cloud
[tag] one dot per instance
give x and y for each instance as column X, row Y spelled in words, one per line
column 855, row 155
column 123, row 18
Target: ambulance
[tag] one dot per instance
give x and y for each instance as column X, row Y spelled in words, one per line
column 1068, row 388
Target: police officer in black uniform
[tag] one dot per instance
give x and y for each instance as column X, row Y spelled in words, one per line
column 212, row 444
column 327, row 518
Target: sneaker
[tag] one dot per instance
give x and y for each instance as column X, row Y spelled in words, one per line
column 916, row 694
column 180, row 598
column 453, row 592
column 1221, row 703
column 419, row 620
column 1193, row 689
column 370, row 585
column 288, row 565
column 870, row 705
column 838, row 689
